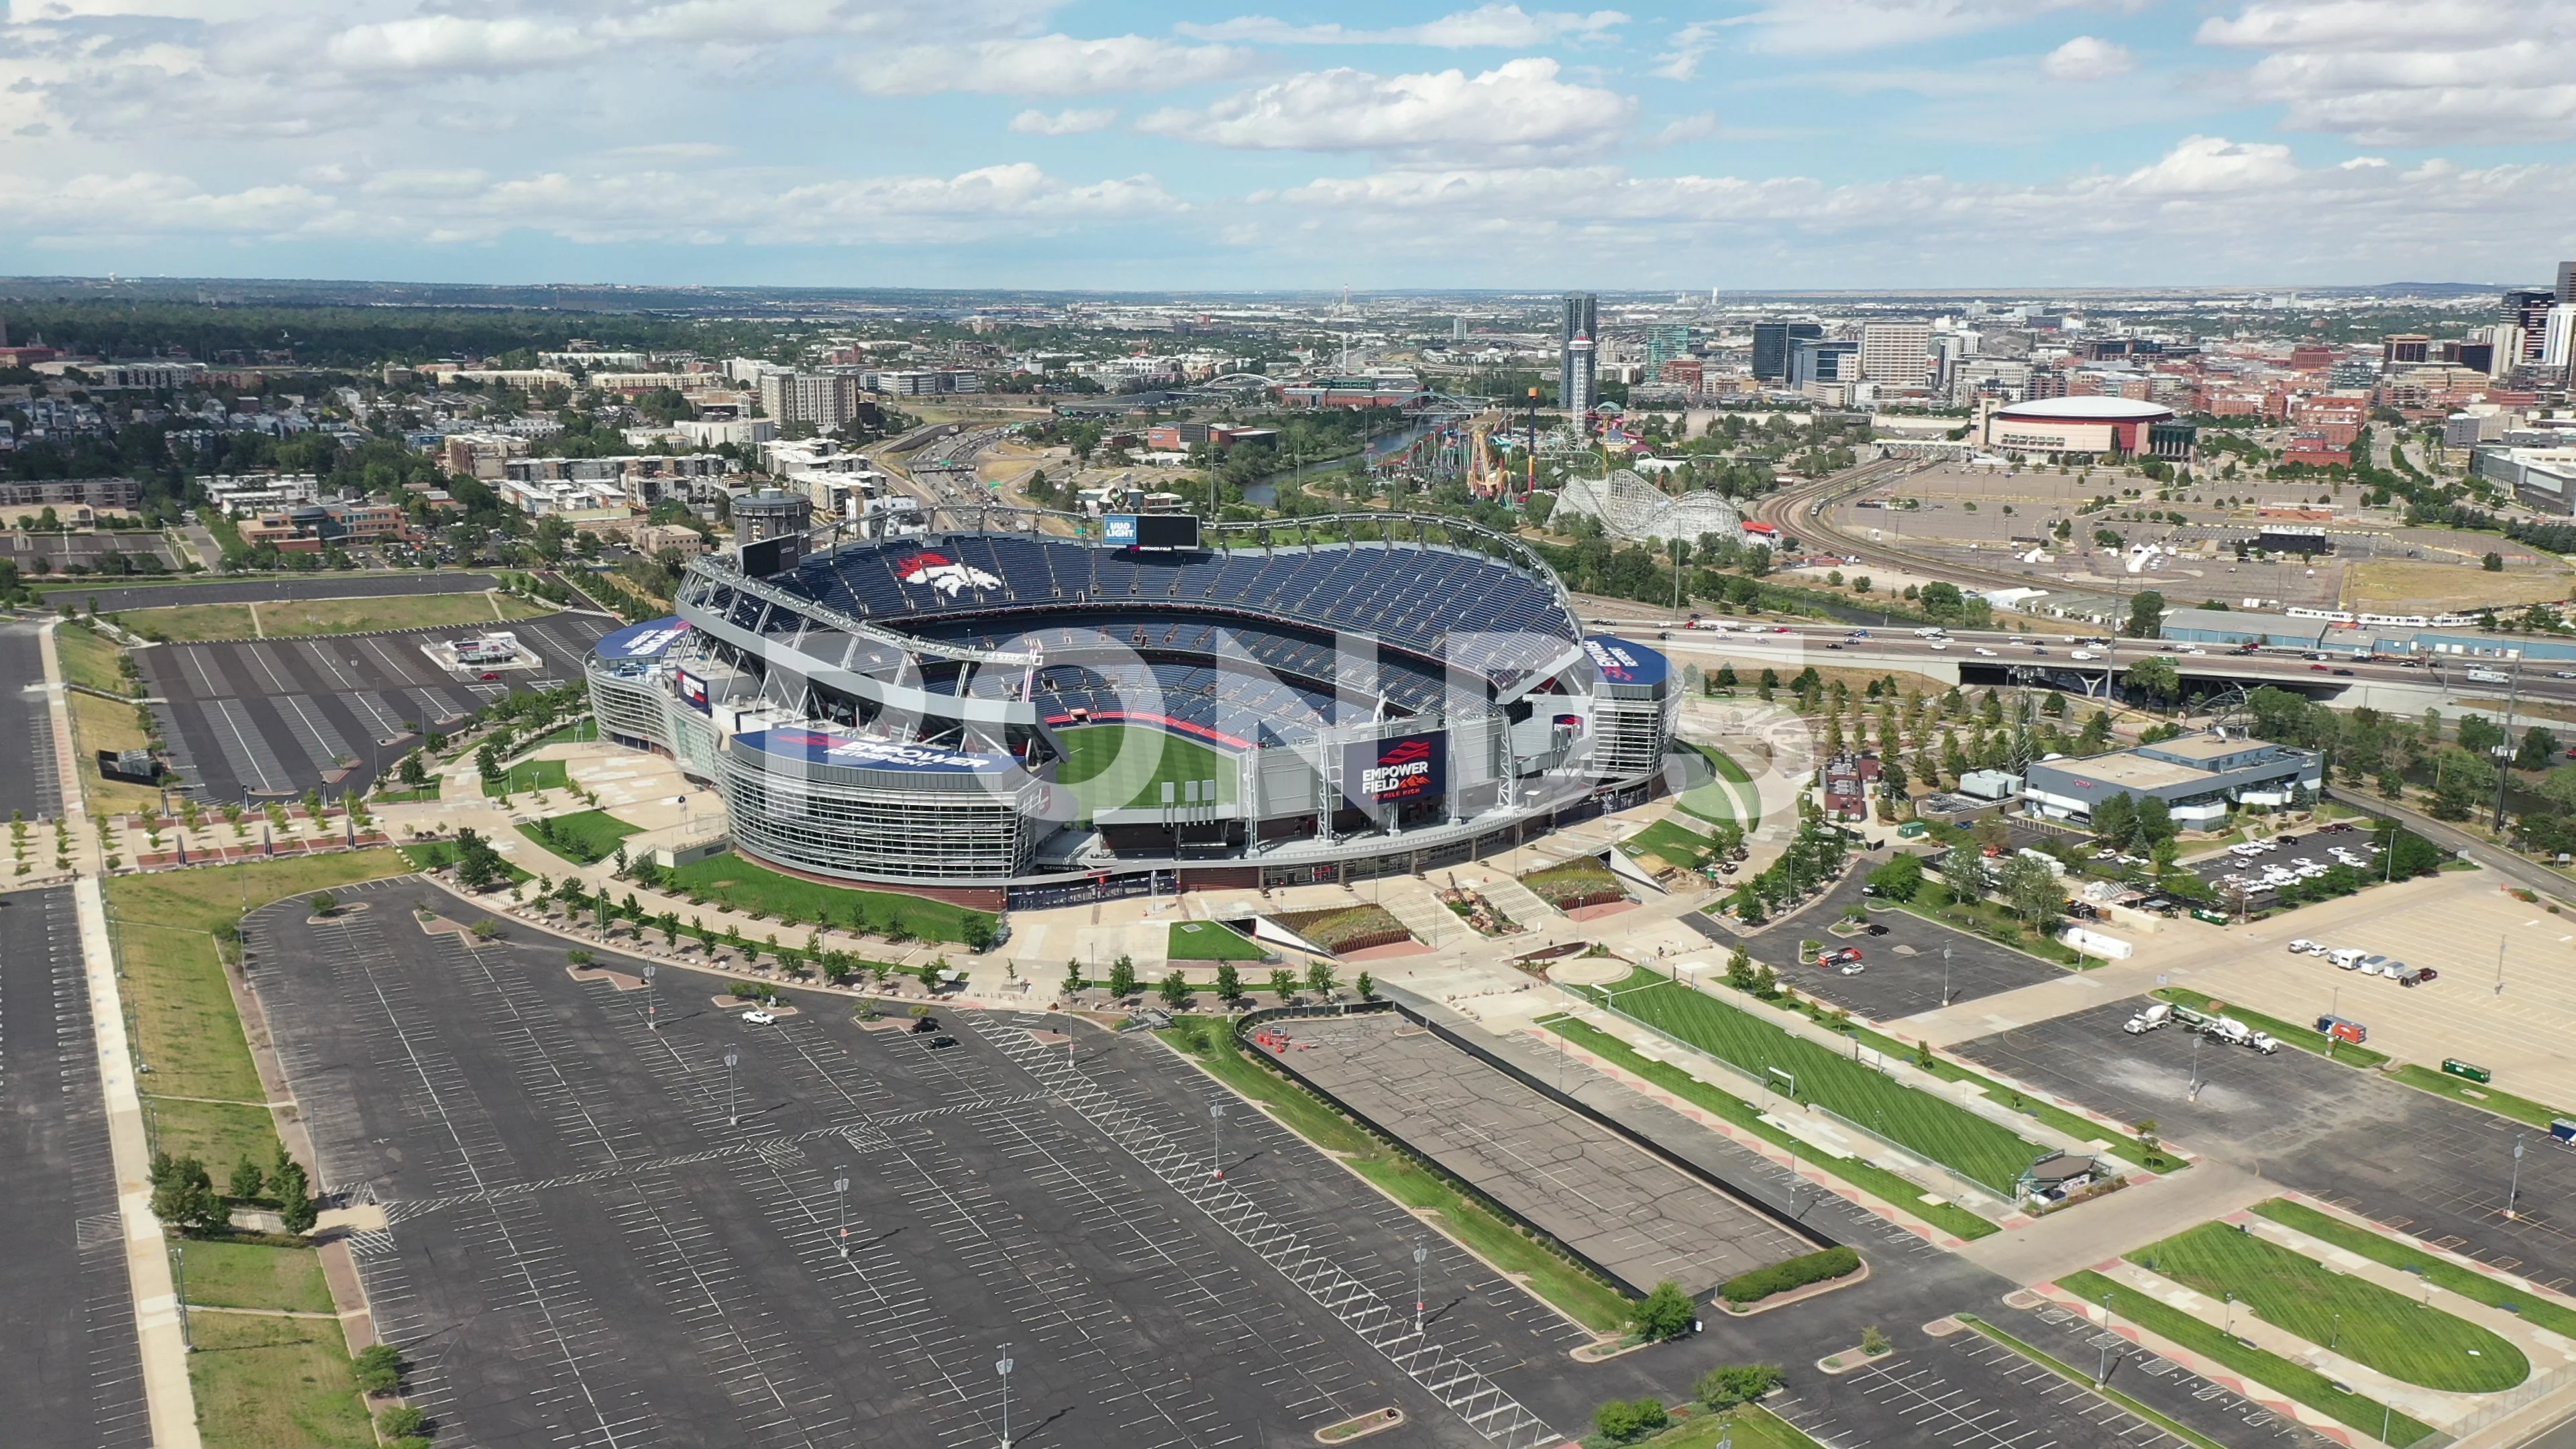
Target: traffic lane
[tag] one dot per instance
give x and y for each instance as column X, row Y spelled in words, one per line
column 260, row 591
column 2438, row 1170
column 1903, row 971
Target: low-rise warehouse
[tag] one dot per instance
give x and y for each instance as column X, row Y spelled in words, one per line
column 2200, row 777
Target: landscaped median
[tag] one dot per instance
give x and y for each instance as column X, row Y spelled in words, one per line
column 2291, row 1380
column 2433, row 1268
column 1898, row 1192
column 1745, row 1289
column 1979, row 1150
column 1573, row 1289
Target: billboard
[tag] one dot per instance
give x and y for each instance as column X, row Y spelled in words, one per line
column 1391, row 771
column 692, row 690
column 772, row 556
column 1150, row 530
column 816, row 746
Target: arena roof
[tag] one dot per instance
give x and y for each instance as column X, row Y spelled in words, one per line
column 2085, row 410
column 649, row 640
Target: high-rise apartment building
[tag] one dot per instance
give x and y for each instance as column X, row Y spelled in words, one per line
column 1582, row 323
column 2566, row 285
column 1896, row 354
column 1664, row 342
column 1771, row 344
column 2558, row 336
column 828, row 400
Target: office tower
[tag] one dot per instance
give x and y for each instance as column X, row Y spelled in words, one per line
column 1817, row 360
column 1664, row 342
column 1771, row 343
column 1457, row 329
column 1896, row 354
column 2528, row 309
column 1582, row 324
column 2404, row 348
column 2567, row 281
column 2558, row 336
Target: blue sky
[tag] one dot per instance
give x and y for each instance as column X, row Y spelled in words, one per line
column 1796, row 143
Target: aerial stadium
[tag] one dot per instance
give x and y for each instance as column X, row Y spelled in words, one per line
column 1010, row 707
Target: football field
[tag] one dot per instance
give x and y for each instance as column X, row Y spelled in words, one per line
column 1118, row 767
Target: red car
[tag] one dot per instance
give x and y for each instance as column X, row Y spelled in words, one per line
column 2319, row 668
column 489, row 674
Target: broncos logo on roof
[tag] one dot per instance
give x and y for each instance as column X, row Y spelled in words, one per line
column 944, row 574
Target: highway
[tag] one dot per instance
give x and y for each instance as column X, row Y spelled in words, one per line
column 1989, row 656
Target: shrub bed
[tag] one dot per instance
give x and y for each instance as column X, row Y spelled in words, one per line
column 1575, row 884
column 1797, row 1272
column 1346, row 928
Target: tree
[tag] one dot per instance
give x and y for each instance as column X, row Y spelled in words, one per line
column 1072, row 977
column 1283, row 984
column 1319, row 978
column 579, row 956
column 1664, row 1313
column 1739, row 969
column 2115, row 822
column 2539, row 750
column 324, row 903
column 1229, row 983
column 294, row 1194
column 184, row 1196
column 2155, row 821
column 488, row 760
column 2149, row 1137
column 1621, row 1421
column 1122, row 977
column 412, row 772
column 2146, row 615
column 1728, row 1385
column 1366, row 986
column 378, row 1370
column 1174, row 991
column 248, row 1181
column 2031, row 889
column 1873, row 1340
column 2155, row 677
column 2461, row 782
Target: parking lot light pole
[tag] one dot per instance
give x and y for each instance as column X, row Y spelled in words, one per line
column 2109, row 1334
column 1945, row 973
column 1216, row 1140
column 2513, row 1193
column 1421, row 1255
column 652, row 1014
column 841, row 1209
column 1003, row 1366
column 733, row 1118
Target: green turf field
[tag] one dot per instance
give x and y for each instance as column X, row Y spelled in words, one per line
column 2433, row 1267
column 1120, row 767
column 586, row 836
column 2364, row 1322
column 1979, row 1150
column 1208, row 941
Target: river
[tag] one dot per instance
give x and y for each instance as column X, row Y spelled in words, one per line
column 1265, row 494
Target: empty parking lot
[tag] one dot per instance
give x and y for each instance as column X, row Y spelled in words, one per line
column 1633, row 1214
column 273, row 717
column 604, row 1234
column 1903, row 971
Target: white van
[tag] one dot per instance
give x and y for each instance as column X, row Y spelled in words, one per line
column 2347, row 958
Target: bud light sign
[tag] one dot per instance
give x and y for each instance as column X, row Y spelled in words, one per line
column 1391, row 771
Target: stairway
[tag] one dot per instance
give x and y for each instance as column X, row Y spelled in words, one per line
column 1518, row 902
column 1431, row 923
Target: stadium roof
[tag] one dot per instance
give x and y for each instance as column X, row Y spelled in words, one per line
column 2086, row 410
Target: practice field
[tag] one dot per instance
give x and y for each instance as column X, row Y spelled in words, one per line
column 290, row 618
column 1123, row 767
column 1981, row 1151
column 2359, row 1319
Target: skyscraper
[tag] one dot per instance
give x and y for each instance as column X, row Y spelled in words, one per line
column 2567, row 281
column 1664, row 342
column 1582, row 324
column 1897, row 354
column 2528, row 309
column 1771, row 341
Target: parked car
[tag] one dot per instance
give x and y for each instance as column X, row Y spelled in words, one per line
column 2304, row 947
column 758, row 1017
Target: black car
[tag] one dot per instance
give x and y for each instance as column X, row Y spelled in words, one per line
column 2343, row 671
column 1876, row 929
column 942, row 1043
column 925, row 1025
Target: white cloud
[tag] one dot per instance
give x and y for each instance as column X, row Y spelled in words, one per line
column 1499, row 26
column 1519, row 110
column 454, row 42
column 1680, row 61
column 1044, row 65
column 1068, row 122
column 2209, row 210
column 148, row 202
column 1833, row 27
column 1698, row 126
column 2087, row 58
column 2413, row 72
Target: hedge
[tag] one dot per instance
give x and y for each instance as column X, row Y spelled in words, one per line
column 1798, row 1272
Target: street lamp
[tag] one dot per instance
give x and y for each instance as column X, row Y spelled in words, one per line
column 1003, row 1366
column 652, row 1006
column 1216, row 1140
column 733, row 1118
column 1945, row 973
column 2111, row 1337
column 2514, row 1191
column 1421, row 1255
column 841, row 1209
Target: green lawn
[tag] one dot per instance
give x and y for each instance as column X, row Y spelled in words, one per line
column 528, row 775
column 89, row 659
column 581, row 731
column 1967, row 1144
column 736, row 881
column 1748, row 1426
column 437, row 854
column 2366, row 1323
column 586, row 836
column 2304, row 1037
column 1877, row 1181
column 2469, row 1283
column 1587, row 1299
column 1673, row 843
column 254, row 1275
column 2292, row 1380
column 1208, row 941
column 263, row 1382
column 217, row 1134
column 1731, row 796
column 1115, row 767
column 410, row 796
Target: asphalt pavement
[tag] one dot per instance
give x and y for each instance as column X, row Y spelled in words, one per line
column 28, row 781
column 112, row 597
column 73, row 1375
